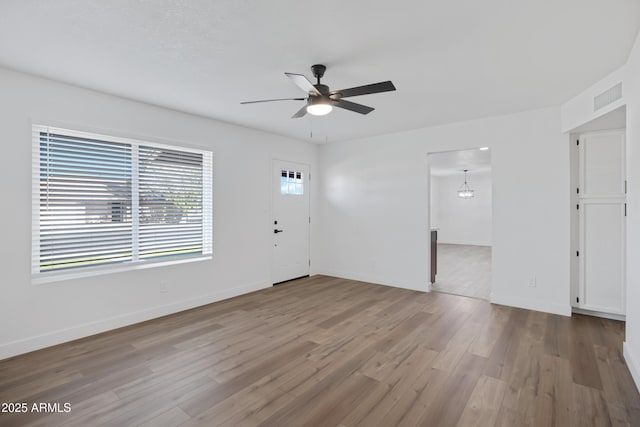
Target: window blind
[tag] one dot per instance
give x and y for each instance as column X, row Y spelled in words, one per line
column 101, row 200
column 170, row 202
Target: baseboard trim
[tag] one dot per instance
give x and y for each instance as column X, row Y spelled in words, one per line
column 374, row 279
column 602, row 314
column 536, row 305
column 26, row 345
column 633, row 363
column 483, row 244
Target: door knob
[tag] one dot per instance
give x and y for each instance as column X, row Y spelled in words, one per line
column 277, row 231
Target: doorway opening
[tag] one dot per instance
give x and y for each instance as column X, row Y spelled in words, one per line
column 461, row 221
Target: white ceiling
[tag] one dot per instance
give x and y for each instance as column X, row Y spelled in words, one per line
column 450, row 60
column 455, row 162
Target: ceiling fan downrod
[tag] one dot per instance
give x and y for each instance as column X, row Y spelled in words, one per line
column 318, row 71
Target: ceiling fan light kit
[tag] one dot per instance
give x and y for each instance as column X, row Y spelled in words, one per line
column 319, row 108
column 321, row 99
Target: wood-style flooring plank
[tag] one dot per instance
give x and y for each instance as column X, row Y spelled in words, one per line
column 483, row 404
column 553, row 404
column 504, row 351
column 556, row 339
column 582, row 353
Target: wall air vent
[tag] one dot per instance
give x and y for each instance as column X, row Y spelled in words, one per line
column 607, row 97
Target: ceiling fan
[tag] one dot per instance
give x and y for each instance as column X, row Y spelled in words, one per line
column 321, row 100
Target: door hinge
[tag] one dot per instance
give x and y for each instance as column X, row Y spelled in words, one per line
column 625, row 186
column 577, row 190
column 578, row 299
column 578, row 206
column 577, row 253
column 625, row 209
column 577, row 142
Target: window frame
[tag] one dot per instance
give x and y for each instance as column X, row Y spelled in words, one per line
column 292, row 179
column 40, row 277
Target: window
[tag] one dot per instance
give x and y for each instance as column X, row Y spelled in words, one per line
column 291, row 183
column 101, row 200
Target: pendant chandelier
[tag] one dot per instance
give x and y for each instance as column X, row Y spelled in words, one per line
column 465, row 192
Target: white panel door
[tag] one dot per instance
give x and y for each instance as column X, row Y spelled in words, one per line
column 602, row 222
column 290, row 189
column 602, row 168
column 602, row 256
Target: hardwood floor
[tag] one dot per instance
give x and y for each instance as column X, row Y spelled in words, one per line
column 323, row 351
column 464, row 270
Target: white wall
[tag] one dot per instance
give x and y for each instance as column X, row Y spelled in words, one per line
column 579, row 110
column 632, row 82
column 374, row 206
column 34, row 316
column 462, row 221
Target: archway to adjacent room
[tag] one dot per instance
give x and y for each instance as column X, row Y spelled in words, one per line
column 461, row 216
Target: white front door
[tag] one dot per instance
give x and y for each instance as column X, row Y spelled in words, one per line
column 290, row 189
column 602, row 222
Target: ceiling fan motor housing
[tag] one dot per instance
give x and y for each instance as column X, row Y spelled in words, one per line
column 318, row 71
column 323, row 89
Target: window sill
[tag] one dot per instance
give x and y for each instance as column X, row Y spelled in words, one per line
column 42, row 278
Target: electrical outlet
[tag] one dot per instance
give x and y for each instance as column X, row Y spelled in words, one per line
column 163, row 287
column 532, row 282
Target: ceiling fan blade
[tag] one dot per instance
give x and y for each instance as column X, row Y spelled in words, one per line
column 365, row 90
column 351, row 106
column 303, row 83
column 301, row 112
column 271, row 100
